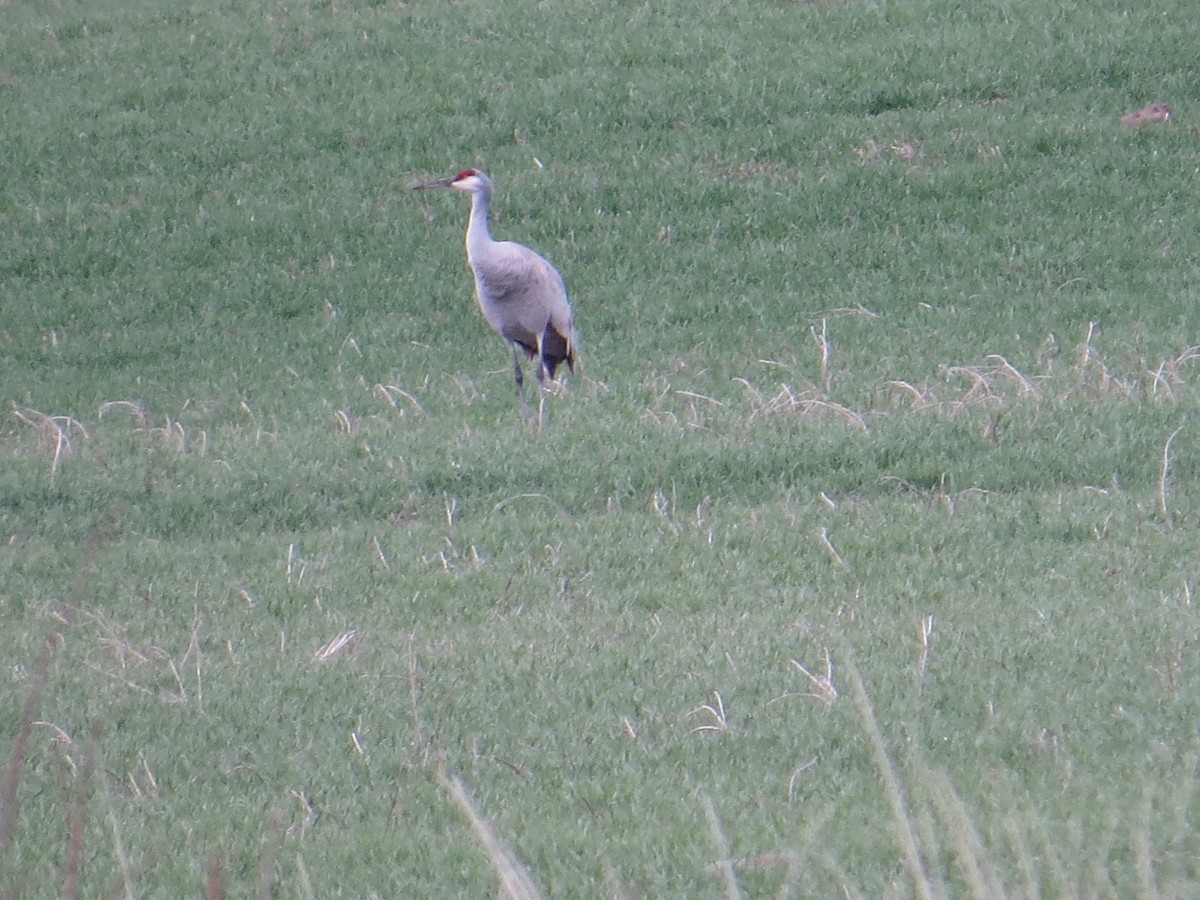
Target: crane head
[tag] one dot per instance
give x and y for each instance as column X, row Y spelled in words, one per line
column 469, row 180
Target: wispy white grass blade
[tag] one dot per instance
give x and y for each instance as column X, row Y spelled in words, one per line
column 515, row 881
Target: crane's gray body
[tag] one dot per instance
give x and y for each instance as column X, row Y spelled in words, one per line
column 523, row 298
column 520, row 294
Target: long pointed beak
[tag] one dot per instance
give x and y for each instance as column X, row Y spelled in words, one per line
column 440, row 183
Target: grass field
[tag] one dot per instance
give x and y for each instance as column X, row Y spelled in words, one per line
column 856, row 560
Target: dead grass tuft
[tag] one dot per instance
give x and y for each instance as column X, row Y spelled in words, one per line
column 988, row 382
column 54, row 434
column 757, row 862
column 748, row 171
column 997, row 383
column 346, row 642
column 1169, row 373
column 822, row 685
column 392, row 394
column 171, row 432
column 135, row 409
column 811, row 401
column 716, row 712
column 804, row 404
column 10, row 786
column 906, row 150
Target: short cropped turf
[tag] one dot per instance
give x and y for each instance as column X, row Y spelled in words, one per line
column 857, row 557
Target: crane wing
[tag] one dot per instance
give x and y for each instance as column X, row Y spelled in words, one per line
column 524, row 299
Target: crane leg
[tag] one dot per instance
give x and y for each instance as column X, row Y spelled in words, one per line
column 519, row 376
column 541, row 380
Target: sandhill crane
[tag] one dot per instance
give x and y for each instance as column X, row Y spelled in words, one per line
column 520, row 294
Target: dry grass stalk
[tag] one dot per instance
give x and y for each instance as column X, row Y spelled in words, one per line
column 724, row 863
column 695, row 396
column 308, row 819
column 193, row 651
column 789, row 402
column 296, row 566
column 695, row 418
column 390, row 393
column 976, row 865
column 128, row 871
column 920, row 398
column 123, row 651
column 344, row 642
column 930, row 842
column 823, row 537
column 908, row 151
column 756, row 862
column 1169, row 374
column 1157, row 379
column 755, row 397
column 980, row 390
column 136, row 410
column 125, row 879
column 379, row 554
column 914, row 866
column 1022, row 856
column 823, row 688
column 857, row 310
column 414, row 692
column 53, row 433
column 1172, row 671
column 259, row 431
column 800, row 770
column 151, row 781
column 984, row 387
column 75, row 799
column 661, row 504
column 1102, row 383
column 515, row 881
column 172, row 433
column 925, row 630
column 60, row 735
column 1164, row 477
column 1006, row 368
column 179, row 696
column 550, row 500
column 823, row 351
column 991, row 382
column 9, row 803
column 716, row 710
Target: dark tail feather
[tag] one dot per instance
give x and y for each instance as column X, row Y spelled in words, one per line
column 557, row 349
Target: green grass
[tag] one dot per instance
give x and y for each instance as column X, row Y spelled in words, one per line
column 887, row 326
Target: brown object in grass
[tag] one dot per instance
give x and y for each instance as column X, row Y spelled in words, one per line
column 1147, row 115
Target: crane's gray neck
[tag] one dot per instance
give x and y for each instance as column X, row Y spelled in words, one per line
column 478, row 235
